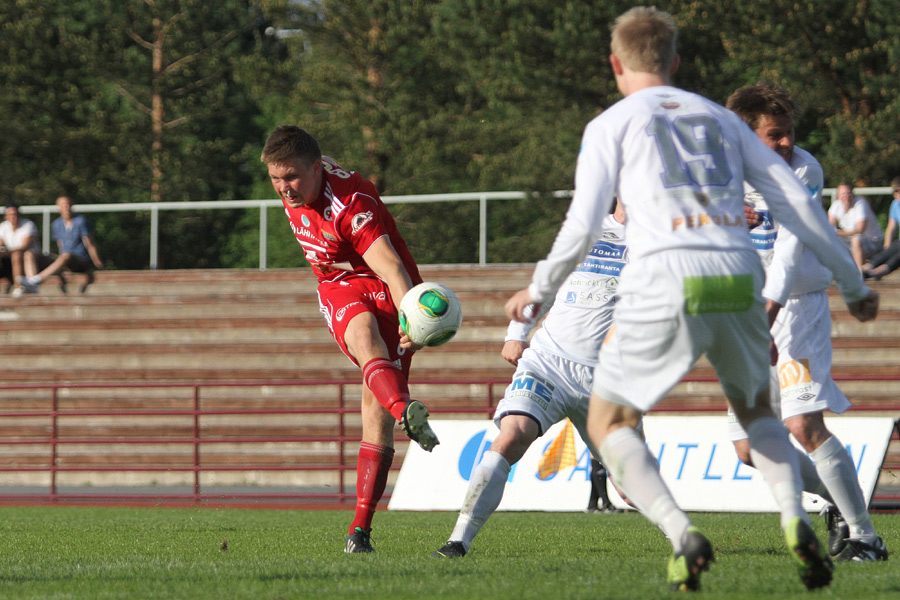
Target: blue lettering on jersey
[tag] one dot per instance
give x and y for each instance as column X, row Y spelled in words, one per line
column 763, row 235
column 605, row 258
column 600, row 267
column 608, row 250
column 763, row 241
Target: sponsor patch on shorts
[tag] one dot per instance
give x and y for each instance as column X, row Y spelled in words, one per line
column 529, row 384
column 718, row 294
column 794, row 372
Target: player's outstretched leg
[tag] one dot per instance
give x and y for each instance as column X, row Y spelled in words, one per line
column 814, row 564
column 359, row 542
column 838, row 472
column 483, row 496
column 414, row 423
column 686, row 565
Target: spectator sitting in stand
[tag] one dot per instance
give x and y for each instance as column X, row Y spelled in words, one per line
column 20, row 246
column 77, row 251
column 888, row 260
column 856, row 224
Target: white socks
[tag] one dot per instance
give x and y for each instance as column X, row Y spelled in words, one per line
column 835, row 468
column 636, row 472
column 776, row 458
column 812, row 483
column 482, row 498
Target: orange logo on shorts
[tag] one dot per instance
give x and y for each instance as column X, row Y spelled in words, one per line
column 794, row 372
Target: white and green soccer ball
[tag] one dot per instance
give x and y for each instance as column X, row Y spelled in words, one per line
column 430, row 314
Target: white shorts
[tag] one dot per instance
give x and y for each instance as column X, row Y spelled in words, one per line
column 548, row 388
column 675, row 306
column 802, row 379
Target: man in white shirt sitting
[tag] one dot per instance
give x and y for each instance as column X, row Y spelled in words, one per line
column 19, row 240
column 856, row 224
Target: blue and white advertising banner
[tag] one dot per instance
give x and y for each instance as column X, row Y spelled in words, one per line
column 696, row 459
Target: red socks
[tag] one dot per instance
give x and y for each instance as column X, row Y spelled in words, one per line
column 387, row 382
column 372, row 469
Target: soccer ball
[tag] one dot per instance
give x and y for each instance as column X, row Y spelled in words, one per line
column 430, row 314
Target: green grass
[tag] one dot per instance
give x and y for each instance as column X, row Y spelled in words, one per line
column 148, row 553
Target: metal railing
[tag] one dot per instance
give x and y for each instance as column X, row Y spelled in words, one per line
column 52, row 417
column 154, row 208
column 47, row 211
column 55, row 435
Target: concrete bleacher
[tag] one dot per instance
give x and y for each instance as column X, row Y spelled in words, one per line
column 221, row 326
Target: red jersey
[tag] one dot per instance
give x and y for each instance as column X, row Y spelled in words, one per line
column 338, row 228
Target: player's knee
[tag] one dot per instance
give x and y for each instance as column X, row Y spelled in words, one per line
column 809, row 430
column 364, row 342
column 517, row 432
column 742, row 449
column 511, row 449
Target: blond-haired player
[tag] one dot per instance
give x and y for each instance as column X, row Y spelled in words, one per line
column 678, row 161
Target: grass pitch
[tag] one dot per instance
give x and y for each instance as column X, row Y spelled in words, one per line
column 150, row 553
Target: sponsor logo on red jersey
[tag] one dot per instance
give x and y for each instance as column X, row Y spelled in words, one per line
column 359, row 221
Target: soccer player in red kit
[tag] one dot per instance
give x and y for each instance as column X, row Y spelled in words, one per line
column 364, row 269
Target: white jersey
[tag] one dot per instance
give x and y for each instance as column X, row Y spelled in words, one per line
column 678, row 162
column 791, row 268
column 581, row 313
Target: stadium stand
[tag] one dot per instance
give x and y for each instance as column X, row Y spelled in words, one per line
column 216, row 327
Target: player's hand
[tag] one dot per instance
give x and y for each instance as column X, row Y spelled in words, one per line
column 751, row 216
column 865, row 309
column 517, row 305
column 406, row 343
column 512, row 351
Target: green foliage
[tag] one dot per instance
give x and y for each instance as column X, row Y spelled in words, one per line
column 132, row 100
column 56, row 127
column 839, row 59
column 168, row 553
column 131, row 231
column 241, row 248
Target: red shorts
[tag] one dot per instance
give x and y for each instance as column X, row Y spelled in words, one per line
column 342, row 300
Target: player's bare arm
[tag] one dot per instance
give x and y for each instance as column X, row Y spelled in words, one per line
column 512, row 351
column 384, row 260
